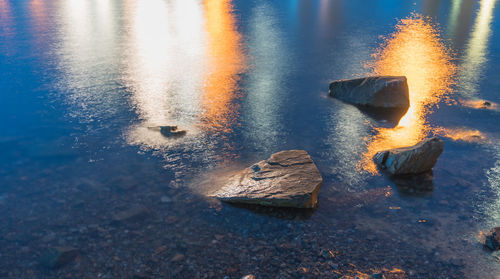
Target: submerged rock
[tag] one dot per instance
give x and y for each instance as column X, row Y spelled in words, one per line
column 58, row 256
column 287, row 179
column 169, row 131
column 133, row 214
column 492, row 240
column 410, row 160
column 387, row 92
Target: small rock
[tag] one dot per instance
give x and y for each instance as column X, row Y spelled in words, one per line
column 492, row 240
column 131, row 215
column 325, row 254
column 410, row 160
column 160, row 250
column 169, row 131
column 165, row 199
column 58, row 256
column 178, row 258
column 171, row 219
column 48, row 237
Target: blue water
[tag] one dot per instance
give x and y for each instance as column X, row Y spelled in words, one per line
column 81, row 82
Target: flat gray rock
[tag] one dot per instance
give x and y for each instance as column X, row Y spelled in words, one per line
column 388, row 92
column 287, row 179
column 410, row 160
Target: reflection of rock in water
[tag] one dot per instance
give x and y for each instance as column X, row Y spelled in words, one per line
column 287, row 213
column 415, row 184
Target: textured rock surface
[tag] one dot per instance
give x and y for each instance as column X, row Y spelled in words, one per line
column 287, row 179
column 389, row 92
column 410, row 160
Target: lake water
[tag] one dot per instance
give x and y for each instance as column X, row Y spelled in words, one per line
column 81, row 82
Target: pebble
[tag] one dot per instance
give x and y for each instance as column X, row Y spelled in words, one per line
column 165, row 199
column 178, row 258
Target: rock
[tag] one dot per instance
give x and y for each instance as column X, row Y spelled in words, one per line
column 492, row 240
column 395, row 273
column 131, row 215
column 58, row 256
column 410, row 160
column 287, row 179
column 169, row 131
column 165, row 199
column 178, row 258
column 387, row 92
column 326, row 254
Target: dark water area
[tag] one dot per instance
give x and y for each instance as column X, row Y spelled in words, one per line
column 81, row 82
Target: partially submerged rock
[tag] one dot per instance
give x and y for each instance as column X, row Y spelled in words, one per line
column 410, row 160
column 169, row 131
column 386, row 92
column 492, row 240
column 58, row 256
column 287, row 179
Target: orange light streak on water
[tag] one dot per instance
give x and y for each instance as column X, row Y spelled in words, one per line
column 227, row 61
column 416, row 51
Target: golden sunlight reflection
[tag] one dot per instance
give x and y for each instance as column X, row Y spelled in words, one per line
column 416, row 51
column 226, row 62
column 461, row 134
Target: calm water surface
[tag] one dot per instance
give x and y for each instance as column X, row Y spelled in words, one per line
column 81, row 82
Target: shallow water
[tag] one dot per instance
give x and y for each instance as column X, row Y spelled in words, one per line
column 83, row 80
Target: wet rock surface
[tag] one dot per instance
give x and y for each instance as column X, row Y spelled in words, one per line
column 492, row 240
column 287, row 179
column 410, row 160
column 387, row 92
